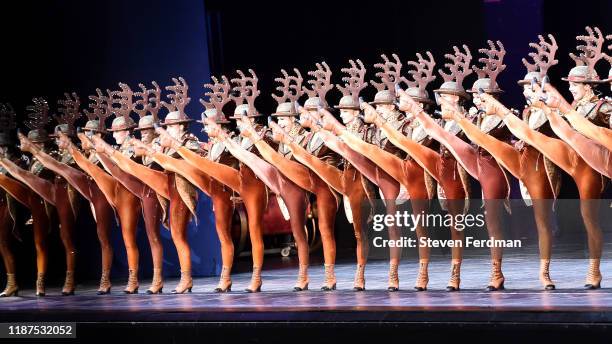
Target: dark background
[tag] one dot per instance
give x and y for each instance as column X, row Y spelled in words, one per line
column 57, row 46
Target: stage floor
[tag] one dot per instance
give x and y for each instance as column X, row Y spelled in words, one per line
column 523, row 301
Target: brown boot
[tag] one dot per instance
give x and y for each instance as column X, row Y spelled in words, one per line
column 455, row 280
column 40, row 284
column 359, row 284
column 330, row 278
column 545, row 275
column 185, row 284
column 393, row 277
column 157, row 284
column 423, row 277
column 593, row 280
column 68, row 288
column 497, row 277
column 11, row 286
column 225, row 281
column 302, row 282
column 132, row 285
column 105, row 283
column 255, row 286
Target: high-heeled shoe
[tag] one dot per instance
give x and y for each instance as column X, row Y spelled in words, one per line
column 225, row 282
column 593, row 280
column 11, row 286
column 40, row 284
column 545, row 275
column 455, row 280
column 302, row 282
column 359, row 283
column 393, row 277
column 497, row 280
column 423, row 276
column 132, row 285
column 105, row 284
column 185, row 284
column 68, row 288
column 255, row 286
column 157, row 284
column 330, row 278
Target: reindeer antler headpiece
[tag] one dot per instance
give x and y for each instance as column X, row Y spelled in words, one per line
column 590, row 53
column 389, row 76
column 218, row 96
column 608, row 58
column 543, row 58
column 493, row 64
column 459, row 68
column 353, row 84
column 100, row 106
column 121, row 105
column 7, row 124
column 147, row 106
column 291, row 90
column 70, row 111
column 246, row 91
column 320, row 85
column 179, row 98
column 422, row 75
column 38, row 118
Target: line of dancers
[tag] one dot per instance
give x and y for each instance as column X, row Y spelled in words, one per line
column 397, row 147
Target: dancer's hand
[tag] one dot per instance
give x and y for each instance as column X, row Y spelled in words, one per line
column 279, row 134
column 86, row 143
column 492, row 106
column 450, row 110
column 101, row 146
column 215, row 130
column 329, row 122
column 553, row 98
column 141, row 147
column 246, row 127
column 26, row 145
column 165, row 139
column 64, row 142
column 370, row 114
column 406, row 103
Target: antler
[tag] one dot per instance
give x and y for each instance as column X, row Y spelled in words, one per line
column 246, row 89
column 544, row 57
column 460, row 66
column 390, row 74
column 290, row 87
column 355, row 82
column 149, row 101
column 70, row 109
column 123, row 98
column 321, row 84
column 38, row 117
column 101, row 108
column 493, row 62
column 179, row 97
column 606, row 56
column 423, row 72
column 219, row 94
column 591, row 49
column 285, row 82
column 296, row 86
